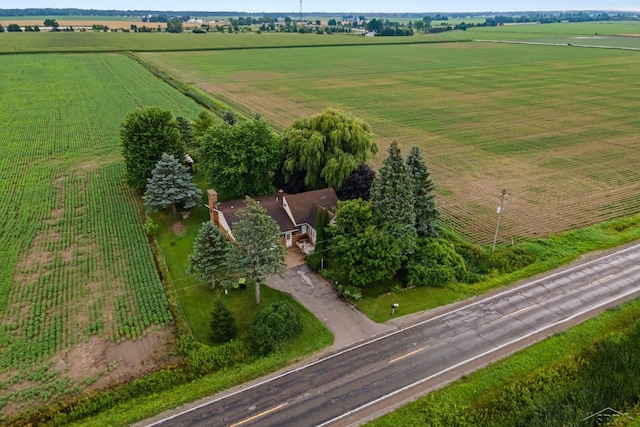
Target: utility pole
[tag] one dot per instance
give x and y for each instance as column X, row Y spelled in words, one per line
column 500, row 209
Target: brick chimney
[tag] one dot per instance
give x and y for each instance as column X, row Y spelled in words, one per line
column 213, row 200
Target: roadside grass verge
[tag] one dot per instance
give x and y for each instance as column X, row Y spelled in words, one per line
column 552, row 252
column 530, row 385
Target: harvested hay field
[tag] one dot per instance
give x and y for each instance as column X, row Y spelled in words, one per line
column 557, row 127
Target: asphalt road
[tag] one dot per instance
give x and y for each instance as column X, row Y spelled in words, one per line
column 347, row 386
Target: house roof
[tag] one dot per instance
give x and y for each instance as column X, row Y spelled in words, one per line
column 304, row 206
column 271, row 203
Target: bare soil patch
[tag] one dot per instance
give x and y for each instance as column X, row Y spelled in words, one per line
column 115, row 363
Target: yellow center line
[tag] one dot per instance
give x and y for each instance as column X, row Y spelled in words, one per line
column 261, row 414
column 407, row 355
column 601, row 280
column 516, row 312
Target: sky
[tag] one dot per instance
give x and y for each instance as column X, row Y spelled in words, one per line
column 308, row 6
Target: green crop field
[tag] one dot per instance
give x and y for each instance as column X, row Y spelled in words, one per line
column 80, row 297
column 604, row 34
column 98, row 41
column 556, row 126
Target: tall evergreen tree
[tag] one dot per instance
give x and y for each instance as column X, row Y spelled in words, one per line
column 258, row 247
column 170, row 185
column 223, row 324
column 146, row 134
column 424, row 204
column 211, row 253
column 392, row 199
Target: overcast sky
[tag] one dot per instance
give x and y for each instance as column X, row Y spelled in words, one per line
column 329, row 5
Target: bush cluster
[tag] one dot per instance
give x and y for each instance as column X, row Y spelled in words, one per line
column 274, row 326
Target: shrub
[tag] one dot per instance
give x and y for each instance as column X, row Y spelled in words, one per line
column 505, row 260
column 314, row 261
column 203, row 359
column 435, row 263
column 275, row 325
column 350, row 291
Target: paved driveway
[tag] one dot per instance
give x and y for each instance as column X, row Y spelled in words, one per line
column 348, row 324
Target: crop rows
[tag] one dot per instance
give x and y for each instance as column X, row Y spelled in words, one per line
column 554, row 126
column 76, row 263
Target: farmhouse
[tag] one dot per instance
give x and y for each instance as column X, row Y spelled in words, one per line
column 295, row 214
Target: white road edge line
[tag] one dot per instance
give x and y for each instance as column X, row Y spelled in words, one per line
column 457, row 365
column 331, row 356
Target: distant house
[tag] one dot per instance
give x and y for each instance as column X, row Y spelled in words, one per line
column 370, row 34
column 295, row 214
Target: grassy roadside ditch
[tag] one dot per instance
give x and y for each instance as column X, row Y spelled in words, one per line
column 549, row 253
column 559, row 381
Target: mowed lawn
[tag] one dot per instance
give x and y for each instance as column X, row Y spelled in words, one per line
column 555, row 126
column 79, row 289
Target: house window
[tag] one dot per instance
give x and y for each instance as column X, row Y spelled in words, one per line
column 304, row 228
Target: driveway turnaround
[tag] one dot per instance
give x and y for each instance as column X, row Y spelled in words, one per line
column 366, row 379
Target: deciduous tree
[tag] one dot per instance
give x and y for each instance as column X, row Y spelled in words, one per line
column 170, row 185
column 174, row 25
column 358, row 184
column 239, row 160
column 259, row 251
column 146, row 134
column 212, row 253
column 327, row 148
column 363, row 251
column 424, row 204
column 51, row 23
column 202, row 123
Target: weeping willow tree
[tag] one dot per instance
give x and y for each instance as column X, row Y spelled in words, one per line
column 328, row 147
